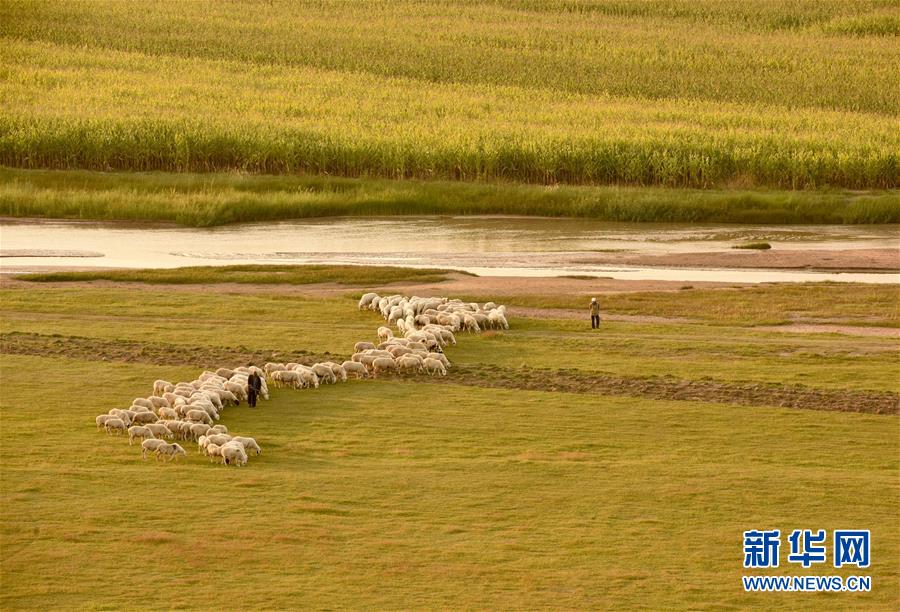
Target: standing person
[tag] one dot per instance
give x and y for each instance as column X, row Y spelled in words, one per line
column 595, row 314
column 254, row 385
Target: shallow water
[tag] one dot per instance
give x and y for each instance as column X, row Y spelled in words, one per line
column 489, row 246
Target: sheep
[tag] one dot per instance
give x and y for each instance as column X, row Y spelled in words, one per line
column 290, row 378
column 383, row 364
column 220, row 439
column 273, row 367
column 433, row 366
column 229, row 398
column 158, row 402
column 159, row 430
column 409, row 363
column 308, row 378
column 159, row 387
column 248, row 443
column 213, row 451
column 125, row 416
column 115, row 425
column 354, row 367
column 218, row 429
column 167, row 414
column 172, row 450
column 385, row 333
column 198, row 416
column 239, row 391
column 366, row 300
column 324, row 373
column 224, row 372
column 136, row 408
column 198, row 429
column 361, row 346
column 142, row 418
column 149, row 446
column 136, row 431
column 175, row 428
column 337, row 370
column 440, row 357
column 233, row 454
column 101, row 420
column 143, row 401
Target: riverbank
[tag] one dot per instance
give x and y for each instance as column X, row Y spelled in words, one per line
column 204, row 200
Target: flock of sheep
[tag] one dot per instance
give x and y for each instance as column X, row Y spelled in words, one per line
column 189, row 410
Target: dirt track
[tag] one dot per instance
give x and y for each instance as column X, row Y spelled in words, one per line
column 478, row 375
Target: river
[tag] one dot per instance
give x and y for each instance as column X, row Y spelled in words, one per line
column 488, row 246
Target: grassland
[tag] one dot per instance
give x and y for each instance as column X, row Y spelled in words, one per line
column 668, row 93
column 222, row 198
column 407, row 494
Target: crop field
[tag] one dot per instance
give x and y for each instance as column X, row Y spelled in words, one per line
column 670, row 93
column 538, row 469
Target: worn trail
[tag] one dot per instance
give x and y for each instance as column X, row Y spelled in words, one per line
column 478, row 375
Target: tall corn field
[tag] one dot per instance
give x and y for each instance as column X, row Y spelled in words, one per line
column 659, row 92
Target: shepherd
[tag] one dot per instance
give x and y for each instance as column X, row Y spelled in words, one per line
column 254, row 385
column 595, row 314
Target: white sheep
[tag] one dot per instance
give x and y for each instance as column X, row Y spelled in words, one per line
column 142, row 418
column 354, row 367
column 137, row 431
column 198, row 429
column 172, row 450
column 159, row 430
column 217, row 429
column 102, row 419
column 361, row 346
column 433, row 366
column 248, row 443
column 167, row 414
column 149, row 446
column 199, row 416
column 115, row 425
column 385, row 333
column 383, row 364
column 233, row 454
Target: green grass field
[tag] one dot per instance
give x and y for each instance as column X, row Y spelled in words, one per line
column 434, row 494
column 222, row 198
column 664, row 92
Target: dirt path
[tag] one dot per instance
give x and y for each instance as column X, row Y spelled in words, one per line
column 457, row 284
column 479, row 375
column 830, row 260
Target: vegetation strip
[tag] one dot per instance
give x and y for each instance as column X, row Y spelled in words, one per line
column 480, row 375
column 202, row 200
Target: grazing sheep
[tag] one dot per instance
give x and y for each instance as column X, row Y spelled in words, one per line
column 383, row 364
column 137, row 431
column 198, row 429
column 440, row 357
column 238, row 390
column 172, row 450
column 433, row 366
column 158, row 402
column 102, row 419
column 233, row 454
column 290, row 378
column 143, row 401
column 409, row 363
column 199, row 416
column 142, row 418
column 218, row 429
column 168, row 414
column 220, row 439
column 308, row 378
column 324, row 373
column 136, row 408
column 361, row 346
column 115, row 425
column 354, row 367
column 125, row 416
column 149, row 446
column 224, row 372
column 159, row 430
column 338, row 370
column 385, row 333
column 248, row 443
column 214, row 452
column 366, row 300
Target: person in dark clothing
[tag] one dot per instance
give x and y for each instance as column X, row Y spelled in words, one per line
column 595, row 314
column 254, row 385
